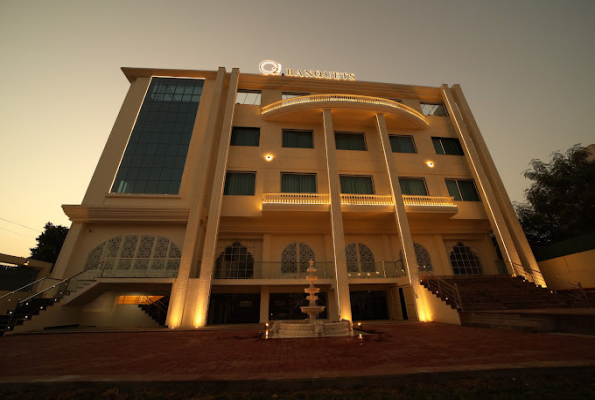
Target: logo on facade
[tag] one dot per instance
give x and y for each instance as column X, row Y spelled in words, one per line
column 270, row 67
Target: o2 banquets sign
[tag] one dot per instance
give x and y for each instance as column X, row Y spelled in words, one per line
column 270, row 67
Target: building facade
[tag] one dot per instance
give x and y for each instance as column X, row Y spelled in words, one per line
column 216, row 188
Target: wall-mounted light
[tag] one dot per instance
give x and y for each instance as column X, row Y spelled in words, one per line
column 268, row 157
column 430, row 164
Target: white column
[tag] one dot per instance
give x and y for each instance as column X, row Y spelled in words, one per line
column 409, row 258
column 210, row 246
column 486, row 192
column 179, row 289
column 59, row 268
column 341, row 284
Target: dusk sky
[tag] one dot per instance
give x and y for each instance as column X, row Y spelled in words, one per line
column 526, row 68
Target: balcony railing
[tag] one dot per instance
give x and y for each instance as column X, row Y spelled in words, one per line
column 410, row 200
column 297, row 270
column 375, row 270
column 295, row 198
column 357, row 199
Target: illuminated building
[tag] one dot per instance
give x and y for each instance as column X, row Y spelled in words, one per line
column 215, row 188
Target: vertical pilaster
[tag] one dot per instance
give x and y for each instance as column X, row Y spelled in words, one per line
column 512, row 221
column 72, row 237
column 401, row 217
column 180, row 286
column 264, row 304
column 341, row 284
column 210, row 246
column 486, row 192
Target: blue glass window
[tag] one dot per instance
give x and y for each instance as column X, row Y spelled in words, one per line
column 154, row 159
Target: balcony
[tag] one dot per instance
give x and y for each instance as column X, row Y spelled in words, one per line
column 295, row 272
column 354, row 202
column 346, row 108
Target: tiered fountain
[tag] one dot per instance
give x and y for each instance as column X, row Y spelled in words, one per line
column 311, row 327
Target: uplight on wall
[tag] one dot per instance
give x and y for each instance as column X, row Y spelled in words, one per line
column 430, row 164
column 268, row 157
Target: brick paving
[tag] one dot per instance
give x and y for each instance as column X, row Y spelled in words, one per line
column 403, row 348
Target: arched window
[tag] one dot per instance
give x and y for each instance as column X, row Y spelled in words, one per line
column 424, row 263
column 358, row 254
column 129, row 255
column 295, row 253
column 464, row 261
column 235, row 262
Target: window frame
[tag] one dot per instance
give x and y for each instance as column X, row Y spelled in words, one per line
column 363, row 134
column 456, row 180
column 239, row 172
column 440, row 138
column 401, row 152
column 424, row 103
column 299, row 173
column 358, row 176
column 246, row 128
column 417, row 179
column 259, row 92
column 283, row 130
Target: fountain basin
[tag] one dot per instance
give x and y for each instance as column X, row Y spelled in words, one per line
column 306, row 328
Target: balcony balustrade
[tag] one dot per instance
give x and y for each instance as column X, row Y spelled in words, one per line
column 357, row 199
column 297, row 270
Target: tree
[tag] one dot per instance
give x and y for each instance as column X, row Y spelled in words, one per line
column 561, row 198
column 49, row 243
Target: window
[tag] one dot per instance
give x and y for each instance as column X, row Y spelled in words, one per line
column 447, row 146
column 241, row 136
column 462, row 190
column 155, row 156
column 291, row 95
column 464, row 260
column 402, row 144
column 356, row 184
column 350, row 141
column 239, row 183
column 292, row 254
column 296, row 183
column 359, row 258
column 248, row 97
column 298, row 139
column 235, row 262
column 433, row 110
column 414, row 187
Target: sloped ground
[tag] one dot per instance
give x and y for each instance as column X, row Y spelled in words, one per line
column 224, row 361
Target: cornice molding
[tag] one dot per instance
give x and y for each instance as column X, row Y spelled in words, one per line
column 78, row 213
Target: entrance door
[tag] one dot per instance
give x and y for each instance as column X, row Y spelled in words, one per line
column 234, row 308
column 368, row 305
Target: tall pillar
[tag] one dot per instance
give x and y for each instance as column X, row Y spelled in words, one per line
column 188, row 259
column 210, row 246
column 341, row 284
column 72, row 237
column 409, row 258
column 516, row 231
column 486, row 192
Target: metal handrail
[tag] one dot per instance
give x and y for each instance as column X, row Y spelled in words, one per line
column 53, row 286
column 29, row 284
column 580, row 292
column 443, row 288
column 528, row 270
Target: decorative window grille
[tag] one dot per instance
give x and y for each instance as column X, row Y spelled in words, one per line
column 359, row 254
column 296, row 253
column 134, row 253
column 422, row 256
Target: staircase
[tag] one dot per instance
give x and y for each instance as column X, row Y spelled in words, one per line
column 157, row 310
column 48, row 293
column 497, row 301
